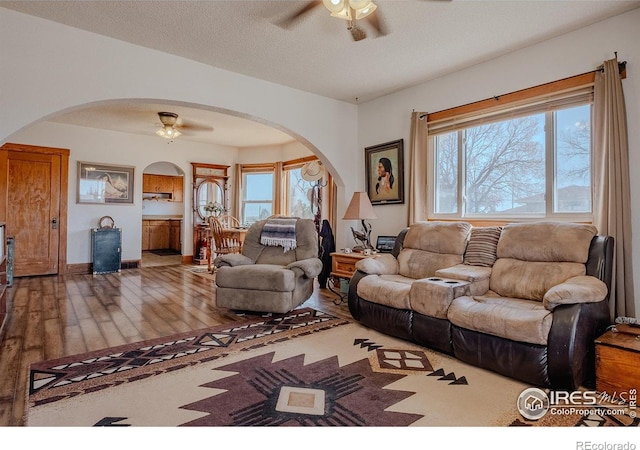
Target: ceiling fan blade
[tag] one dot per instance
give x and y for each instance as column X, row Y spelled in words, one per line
column 192, row 126
column 377, row 23
column 289, row 20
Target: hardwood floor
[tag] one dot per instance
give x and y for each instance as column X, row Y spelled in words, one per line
column 55, row 316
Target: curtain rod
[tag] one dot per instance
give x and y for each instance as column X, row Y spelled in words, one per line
column 622, row 67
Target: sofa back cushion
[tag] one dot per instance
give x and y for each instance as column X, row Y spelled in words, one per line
column 530, row 280
column 546, row 241
column 429, row 246
column 533, row 257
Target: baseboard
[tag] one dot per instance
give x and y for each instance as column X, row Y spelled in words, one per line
column 133, row 264
column 84, row 268
column 187, row 259
column 78, row 269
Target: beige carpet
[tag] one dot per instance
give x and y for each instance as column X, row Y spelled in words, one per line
column 297, row 369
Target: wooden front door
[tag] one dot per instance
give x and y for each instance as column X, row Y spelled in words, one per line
column 33, row 210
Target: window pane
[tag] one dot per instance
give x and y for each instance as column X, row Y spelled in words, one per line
column 505, row 167
column 258, row 197
column 254, row 212
column 446, row 182
column 258, row 186
column 572, row 184
column 299, row 195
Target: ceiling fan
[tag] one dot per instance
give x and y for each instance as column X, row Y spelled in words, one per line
column 171, row 127
column 349, row 10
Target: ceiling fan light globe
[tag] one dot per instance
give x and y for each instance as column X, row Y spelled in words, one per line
column 335, row 6
column 359, row 4
column 364, row 12
column 344, row 14
column 168, row 132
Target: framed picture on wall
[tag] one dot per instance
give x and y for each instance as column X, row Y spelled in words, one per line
column 103, row 183
column 385, row 172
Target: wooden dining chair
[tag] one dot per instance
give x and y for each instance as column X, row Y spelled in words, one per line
column 221, row 242
column 228, row 221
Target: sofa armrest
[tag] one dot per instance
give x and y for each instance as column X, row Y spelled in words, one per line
column 465, row 272
column 477, row 276
column 310, row 267
column 381, row 264
column 232, row 260
column 580, row 289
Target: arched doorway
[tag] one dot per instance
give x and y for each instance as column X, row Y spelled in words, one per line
column 162, row 221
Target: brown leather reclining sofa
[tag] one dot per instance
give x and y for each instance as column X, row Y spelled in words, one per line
column 525, row 300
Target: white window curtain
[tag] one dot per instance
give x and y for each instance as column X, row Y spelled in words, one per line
column 418, row 168
column 611, row 187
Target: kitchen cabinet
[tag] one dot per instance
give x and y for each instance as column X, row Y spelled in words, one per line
column 166, row 187
column 161, row 234
column 174, row 235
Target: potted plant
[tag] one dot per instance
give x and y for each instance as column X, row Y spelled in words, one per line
column 214, row 208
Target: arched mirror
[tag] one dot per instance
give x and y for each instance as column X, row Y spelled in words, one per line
column 208, row 191
column 209, row 185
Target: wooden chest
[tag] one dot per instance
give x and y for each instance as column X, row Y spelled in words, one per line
column 618, row 363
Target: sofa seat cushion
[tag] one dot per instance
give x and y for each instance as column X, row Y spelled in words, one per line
column 433, row 296
column 510, row 318
column 260, row 277
column 530, row 280
column 388, row 290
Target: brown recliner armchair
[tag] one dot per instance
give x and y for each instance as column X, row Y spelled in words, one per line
column 267, row 278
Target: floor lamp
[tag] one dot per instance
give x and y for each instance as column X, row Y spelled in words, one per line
column 360, row 208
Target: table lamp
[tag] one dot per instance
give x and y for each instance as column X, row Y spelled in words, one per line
column 360, row 208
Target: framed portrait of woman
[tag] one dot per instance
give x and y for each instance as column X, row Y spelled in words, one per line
column 385, row 172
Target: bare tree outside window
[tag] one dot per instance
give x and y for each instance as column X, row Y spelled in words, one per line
column 504, row 166
column 505, row 162
column 573, row 155
column 298, row 201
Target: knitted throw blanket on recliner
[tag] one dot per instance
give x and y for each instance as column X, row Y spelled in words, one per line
column 279, row 232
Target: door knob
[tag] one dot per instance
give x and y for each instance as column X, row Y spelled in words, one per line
column 54, row 224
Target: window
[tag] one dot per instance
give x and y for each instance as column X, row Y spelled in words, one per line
column 278, row 188
column 530, row 161
column 301, row 195
column 257, row 202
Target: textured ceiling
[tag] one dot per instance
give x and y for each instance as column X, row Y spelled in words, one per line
column 426, row 39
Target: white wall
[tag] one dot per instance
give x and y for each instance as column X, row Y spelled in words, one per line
column 388, row 118
column 272, row 153
column 109, row 147
column 50, row 68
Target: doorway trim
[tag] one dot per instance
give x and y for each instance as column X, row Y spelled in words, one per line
column 64, row 192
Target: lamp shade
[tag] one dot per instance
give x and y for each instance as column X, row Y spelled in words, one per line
column 360, row 208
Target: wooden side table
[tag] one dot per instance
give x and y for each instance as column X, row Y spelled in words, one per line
column 343, row 266
column 618, row 364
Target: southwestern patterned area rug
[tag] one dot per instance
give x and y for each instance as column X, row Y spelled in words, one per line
column 297, row 369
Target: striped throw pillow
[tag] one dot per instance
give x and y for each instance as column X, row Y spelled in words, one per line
column 481, row 249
